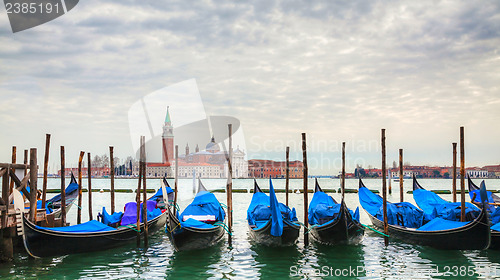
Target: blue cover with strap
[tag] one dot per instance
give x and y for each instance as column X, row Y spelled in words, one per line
column 204, row 203
column 322, row 209
column 434, row 205
column 108, row 219
column 90, row 226
column 441, row 224
column 408, row 214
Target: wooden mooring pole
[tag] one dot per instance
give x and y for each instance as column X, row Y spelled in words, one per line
column 342, row 183
column 89, row 176
column 462, row 175
column 401, row 190
column 287, row 176
column 14, row 158
column 176, row 176
column 138, row 199
column 138, row 194
column 26, row 154
column 112, row 175
column 144, row 199
column 384, row 191
column 63, row 189
column 229, row 191
column 45, row 169
column 6, row 244
column 306, row 201
column 33, row 184
column 80, row 192
column 454, row 173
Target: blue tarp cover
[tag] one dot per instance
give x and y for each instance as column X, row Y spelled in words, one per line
column 130, row 213
column 277, row 219
column 432, row 204
column 495, row 216
column 260, row 212
column 108, row 219
column 369, row 201
column 441, row 224
column 159, row 193
column 496, row 227
column 90, row 226
column 409, row 215
column 322, row 209
column 490, row 208
column 204, row 203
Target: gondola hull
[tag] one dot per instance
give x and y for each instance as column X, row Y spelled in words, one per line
column 495, row 240
column 473, row 236
column 263, row 235
column 186, row 238
column 46, row 243
column 344, row 230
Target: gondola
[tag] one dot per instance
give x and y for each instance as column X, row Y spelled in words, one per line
column 495, row 213
column 200, row 225
column 331, row 222
column 434, row 206
column 271, row 223
column 90, row 236
column 409, row 224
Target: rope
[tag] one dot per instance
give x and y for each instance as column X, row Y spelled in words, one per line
column 223, row 205
column 134, row 228
column 379, row 232
column 178, row 225
column 74, row 203
column 224, row 226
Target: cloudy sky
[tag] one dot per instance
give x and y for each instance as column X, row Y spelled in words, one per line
column 337, row 70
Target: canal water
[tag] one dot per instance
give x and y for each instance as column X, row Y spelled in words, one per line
column 245, row 260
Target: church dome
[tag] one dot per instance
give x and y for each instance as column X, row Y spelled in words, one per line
column 212, row 146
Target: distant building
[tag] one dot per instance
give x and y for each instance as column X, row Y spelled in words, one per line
column 476, row 172
column 96, row 171
column 212, row 162
column 259, row 168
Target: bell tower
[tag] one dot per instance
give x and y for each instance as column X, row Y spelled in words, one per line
column 167, row 139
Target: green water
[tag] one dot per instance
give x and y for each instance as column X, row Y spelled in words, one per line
column 369, row 260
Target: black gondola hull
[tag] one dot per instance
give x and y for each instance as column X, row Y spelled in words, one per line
column 473, row 236
column 185, row 238
column 263, row 235
column 495, row 240
column 47, row 243
column 344, row 230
